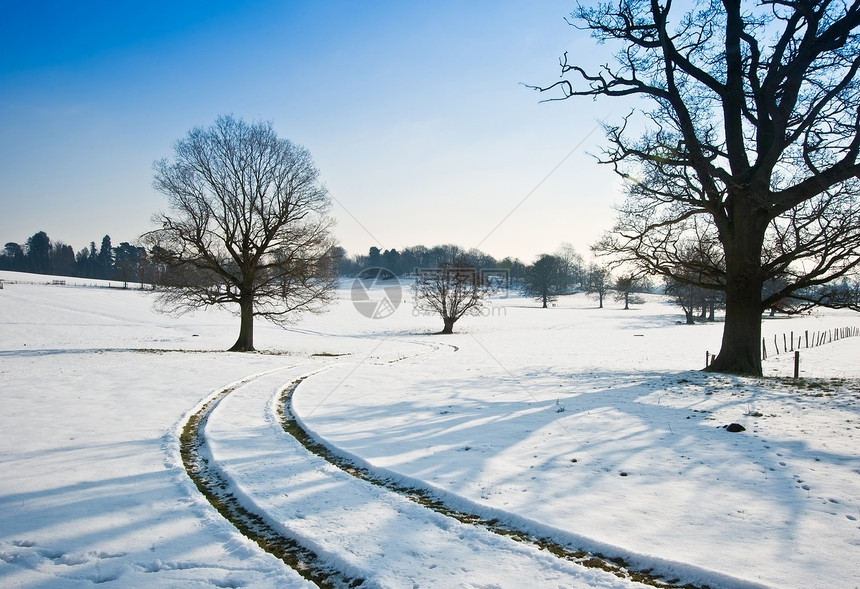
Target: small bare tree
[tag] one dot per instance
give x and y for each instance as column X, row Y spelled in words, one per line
column 627, row 287
column 247, row 226
column 598, row 281
column 451, row 290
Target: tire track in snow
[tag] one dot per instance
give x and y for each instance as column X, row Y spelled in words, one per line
column 645, row 572
column 260, row 495
column 372, row 536
column 614, row 565
column 213, row 483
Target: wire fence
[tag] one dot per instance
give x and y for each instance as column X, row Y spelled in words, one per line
column 806, row 339
column 792, row 344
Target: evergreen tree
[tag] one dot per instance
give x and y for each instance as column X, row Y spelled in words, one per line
column 13, row 257
column 374, row 259
column 104, row 264
column 62, row 259
column 128, row 261
column 39, row 253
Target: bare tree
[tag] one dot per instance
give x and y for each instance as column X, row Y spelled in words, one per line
column 247, row 226
column 692, row 265
column 573, row 264
column 755, row 128
column 598, row 280
column 451, row 290
column 546, row 279
column 687, row 296
column 627, row 288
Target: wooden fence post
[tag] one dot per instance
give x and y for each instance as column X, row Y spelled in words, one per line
column 797, row 364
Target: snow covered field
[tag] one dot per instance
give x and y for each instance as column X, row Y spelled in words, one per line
column 589, row 426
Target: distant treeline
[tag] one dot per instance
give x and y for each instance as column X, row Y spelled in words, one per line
column 406, row 261
column 125, row 262
column 132, row 263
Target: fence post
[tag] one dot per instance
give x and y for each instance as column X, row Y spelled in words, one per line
column 797, row 364
column 763, row 350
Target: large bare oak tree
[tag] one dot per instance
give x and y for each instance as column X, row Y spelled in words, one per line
column 247, row 227
column 752, row 140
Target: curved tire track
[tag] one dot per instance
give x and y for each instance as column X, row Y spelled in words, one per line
column 211, row 481
column 618, row 566
column 264, row 528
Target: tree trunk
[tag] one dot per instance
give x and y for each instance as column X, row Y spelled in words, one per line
column 689, row 315
column 449, row 325
column 740, row 352
column 544, row 300
column 245, row 341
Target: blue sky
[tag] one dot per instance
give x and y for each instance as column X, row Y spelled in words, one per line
column 415, row 114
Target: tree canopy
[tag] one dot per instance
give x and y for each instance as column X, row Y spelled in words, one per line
column 247, row 226
column 546, row 279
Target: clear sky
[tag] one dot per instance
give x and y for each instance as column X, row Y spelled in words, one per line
column 414, row 112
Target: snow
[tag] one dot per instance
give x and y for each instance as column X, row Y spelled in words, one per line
column 589, row 426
